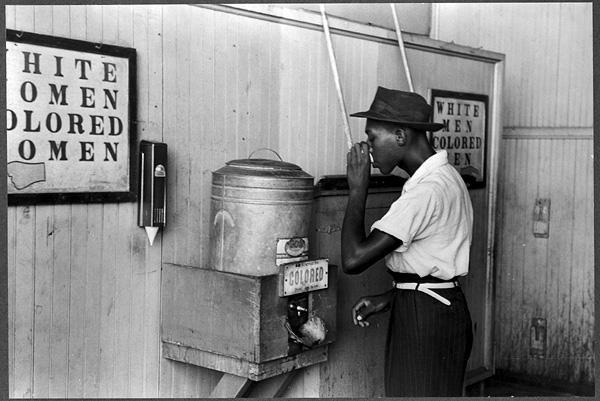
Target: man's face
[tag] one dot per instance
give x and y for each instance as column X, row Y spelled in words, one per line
column 382, row 140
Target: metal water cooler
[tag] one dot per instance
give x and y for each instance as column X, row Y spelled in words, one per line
column 264, row 305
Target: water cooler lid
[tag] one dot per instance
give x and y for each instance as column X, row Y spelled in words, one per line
column 263, row 164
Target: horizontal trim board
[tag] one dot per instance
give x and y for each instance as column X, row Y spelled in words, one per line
column 340, row 26
column 548, row 133
column 240, row 367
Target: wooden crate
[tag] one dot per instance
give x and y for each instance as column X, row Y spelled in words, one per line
column 236, row 323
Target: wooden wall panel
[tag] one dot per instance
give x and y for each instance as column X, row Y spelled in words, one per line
column 187, row 128
column 109, row 278
column 42, row 296
column 359, row 62
column 344, row 374
column 200, row 131
column 60, row 293
column 583, row 283
column 81, row 317
column 546, row 154
column 531, row 271
column 548, row 48
column 546, row 278
column 77, row 313
column 23, row 326
column 11, row 296
column 176, row 78
column 141, row 27
column 505, row 244
column 147, row 33
column 85, row 283
column 45, row 298
column 217, row 116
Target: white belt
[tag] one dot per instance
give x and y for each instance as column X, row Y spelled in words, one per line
column 426, row 288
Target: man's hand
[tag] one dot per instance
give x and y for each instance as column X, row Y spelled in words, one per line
column 359, row 166
column 361, row 311
column 370, row 305
column 360, row 251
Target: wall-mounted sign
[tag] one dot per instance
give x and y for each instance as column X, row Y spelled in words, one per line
column 464, row 135
column 70, row 120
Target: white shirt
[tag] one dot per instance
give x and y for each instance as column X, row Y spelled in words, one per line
column 434, row 219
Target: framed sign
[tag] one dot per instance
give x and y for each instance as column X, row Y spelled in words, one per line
column 70, row 120
column 464, row 135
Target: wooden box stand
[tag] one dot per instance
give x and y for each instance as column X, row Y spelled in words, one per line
column 235, row 323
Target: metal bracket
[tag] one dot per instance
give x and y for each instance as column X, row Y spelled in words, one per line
column 329, row 229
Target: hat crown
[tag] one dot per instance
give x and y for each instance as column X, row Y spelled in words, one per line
column 407, row 108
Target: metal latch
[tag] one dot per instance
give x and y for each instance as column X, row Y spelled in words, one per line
column 329, row 229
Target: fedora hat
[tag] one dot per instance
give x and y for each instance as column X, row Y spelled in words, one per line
column 405, row 108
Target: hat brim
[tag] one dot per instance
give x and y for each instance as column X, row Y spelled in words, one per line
column 432, row 127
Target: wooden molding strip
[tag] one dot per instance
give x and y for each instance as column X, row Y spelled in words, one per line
column 312, row 20
column 548, row 133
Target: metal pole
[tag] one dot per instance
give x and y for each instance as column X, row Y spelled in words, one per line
column 336, row 77
column 401, row 45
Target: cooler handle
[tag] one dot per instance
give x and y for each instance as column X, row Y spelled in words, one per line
column 249, row 157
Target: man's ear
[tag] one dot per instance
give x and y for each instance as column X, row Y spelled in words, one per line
column 400, row 137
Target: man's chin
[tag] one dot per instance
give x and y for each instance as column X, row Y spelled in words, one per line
column 384, row 171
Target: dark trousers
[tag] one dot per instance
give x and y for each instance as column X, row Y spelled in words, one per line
column 428, row 343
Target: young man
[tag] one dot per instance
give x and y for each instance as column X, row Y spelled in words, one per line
column 425, row 239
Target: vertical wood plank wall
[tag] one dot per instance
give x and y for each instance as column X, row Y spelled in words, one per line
column 547, row 152
column 83, row 280
column 84, row 292
column 84, row 284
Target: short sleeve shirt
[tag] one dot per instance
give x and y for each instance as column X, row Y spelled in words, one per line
column 433, row 217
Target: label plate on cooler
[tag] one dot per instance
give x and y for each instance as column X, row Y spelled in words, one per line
column 305, row 276
column 291, row 250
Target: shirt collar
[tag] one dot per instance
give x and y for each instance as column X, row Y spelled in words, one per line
column 428, row 166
